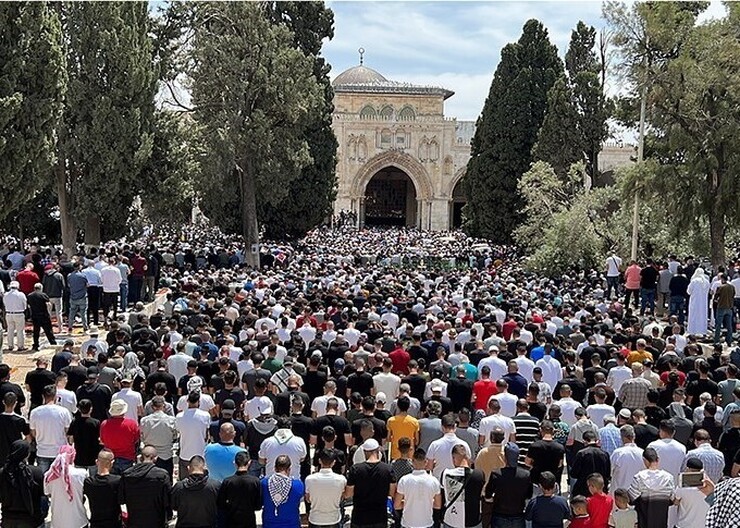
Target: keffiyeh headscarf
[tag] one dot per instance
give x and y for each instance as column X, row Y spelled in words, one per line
column 60, row 469
column 279, row 485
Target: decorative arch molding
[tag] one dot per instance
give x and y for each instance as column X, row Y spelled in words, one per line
column 456, row 179
column 415, row 171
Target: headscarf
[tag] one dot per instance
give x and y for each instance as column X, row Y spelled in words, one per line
column 279, row 485
column 131, row 366
column 60, row 469
column 17, row 475
column 699, row 274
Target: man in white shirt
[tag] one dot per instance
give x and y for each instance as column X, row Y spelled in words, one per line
column 324, row 492
column 493, row 420
column 568, row 405
column 318, row 405
column 670, row 451
column 496, row 364
column 110, row 275
column 439, row 455
column 600, row 409
column 626, row 461
column 618, row 374
column 192, row 424
column 526, row 365
column 390, row 316
column 260, row 403
column 49, row 423
column 551, row 370
column 15, row 306
column 177, row 363
column 506, row 400
column 418, row 494
column 613, row 265
column 132, row 398
column 692, row 502
column 205, row 401
column 651, row 484
column 65, row 398
column 283, row 442
column 387, row 382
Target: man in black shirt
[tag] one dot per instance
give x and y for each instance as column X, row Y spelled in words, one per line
column 314, row 379
column 359, row 381
column 99, row 395
column 546, row 454
column 380, row 430
column 648, row 283
column 12, row 426
column 510, row 487
column 161, row 376
column 7, row 386
column 145, row 490
column 21, row 488
column 101, row 492
column 370, row 483
column 85, row 431
column 250, row 376
column 332, row 419
column 76, row 373
column 195, row 497
column 416, row 381
column 39, row 378
column 302, row 426
column 240, row 495
column 459, row 389
column 38, row 304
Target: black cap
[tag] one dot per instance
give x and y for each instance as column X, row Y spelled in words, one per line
column 92, row 372
column 228, row 405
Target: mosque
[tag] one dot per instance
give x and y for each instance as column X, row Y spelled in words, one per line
column 400, row 159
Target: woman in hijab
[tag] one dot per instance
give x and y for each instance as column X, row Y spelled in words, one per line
column 281, row 497
column 698, row 291
column 21, row 489
column 64, row 483
column 132, row 369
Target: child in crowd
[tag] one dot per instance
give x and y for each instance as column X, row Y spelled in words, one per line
column 547, row 510
column 581, row 519
column 600, row 505
column 623, row 515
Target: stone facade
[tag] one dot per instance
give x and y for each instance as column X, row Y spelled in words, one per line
column 397, row 135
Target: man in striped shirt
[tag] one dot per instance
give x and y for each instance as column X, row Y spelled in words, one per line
column 527, row 428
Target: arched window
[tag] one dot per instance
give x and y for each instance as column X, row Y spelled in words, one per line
column 386, row 138
column 368, row 112
column 386, row 112
column 361, row 149
column 433, row 150
column 401, row 140
column 352, row 148
column 424, row 149
column 406, row 114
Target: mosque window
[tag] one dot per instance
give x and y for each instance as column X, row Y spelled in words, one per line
column 406, row 114
column 368, row 112
column 386, row 138
column 386, row 112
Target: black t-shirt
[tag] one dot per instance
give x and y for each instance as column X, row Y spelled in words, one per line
column 648, row 277
column 313, row 383
column 417, row 383
column 341, row 427
column 538, row 410
column 371, row 482
column 12, row 427
column 162, row 377
column 102, row 495
column 86, row 434
column 302, row 426
column 459, row 391
column 76, row 376
column 546, row 456
column 37, row 303
column 644, row 434
column 234, row 393
column 6, row 387
column 697, row 387
column 99, row 395
column 380, row 430
column 361, row 382
column 36, row 380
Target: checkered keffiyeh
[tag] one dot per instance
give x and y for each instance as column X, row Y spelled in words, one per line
column 724, row 512
column 279, row 488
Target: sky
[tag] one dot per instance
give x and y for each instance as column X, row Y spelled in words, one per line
column 453, row 44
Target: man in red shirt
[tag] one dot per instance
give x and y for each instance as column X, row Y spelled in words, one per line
column 307, row 316
column 136, row 279
column 483, row 389
column 400, row 359
column 120, row 435
column 27, row 279
column 508, row 327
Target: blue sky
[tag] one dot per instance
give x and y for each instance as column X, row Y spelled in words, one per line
column 454, row 44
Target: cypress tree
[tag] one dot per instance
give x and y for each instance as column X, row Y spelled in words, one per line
column 506, row 131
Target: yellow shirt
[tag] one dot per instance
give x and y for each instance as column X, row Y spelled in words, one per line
column 400, row 427
column 638, row 357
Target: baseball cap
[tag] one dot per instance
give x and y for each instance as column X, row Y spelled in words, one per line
column 370, row 445
column 380, row 397
column 339, row 363
column 287, row 361
column 92, row 372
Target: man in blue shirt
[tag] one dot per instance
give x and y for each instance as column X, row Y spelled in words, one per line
column 94, row 291
column 220, row 457
column 77, row 282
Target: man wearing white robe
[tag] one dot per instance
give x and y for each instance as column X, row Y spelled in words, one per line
column 698, row 291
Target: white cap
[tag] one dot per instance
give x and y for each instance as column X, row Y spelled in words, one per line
column 370, row 445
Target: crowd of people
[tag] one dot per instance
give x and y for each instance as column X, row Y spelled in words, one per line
column 347, row 381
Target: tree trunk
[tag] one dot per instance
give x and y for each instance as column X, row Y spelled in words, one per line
column 66, row 219
column 717, row 237
column 92, row 230
column 250, row 230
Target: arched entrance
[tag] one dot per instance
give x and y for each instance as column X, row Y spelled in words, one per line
column 456, row 206
column 390, row 199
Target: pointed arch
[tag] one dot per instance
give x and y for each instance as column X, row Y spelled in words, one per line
column 415, row 171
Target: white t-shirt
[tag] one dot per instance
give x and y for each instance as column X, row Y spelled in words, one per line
column 418, row 490
column 613, row 264
column 66, row 513
column 254, row 407
column 508, row 403
column 177, row 365
column 489, row 423
column 50, row 423
column 440, row 451
column 319, row 405
column 693, row 508
column 598, row 411
column 111, row 278
column 325, row 490
column 67, row 399
column 617, row 376
column 206, row 403
column 568, row 408
column 134, row 401
column 671, row 454
column 193, row 427
column 388, row 384
column 283, row 444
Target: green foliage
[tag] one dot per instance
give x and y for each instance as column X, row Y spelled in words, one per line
column 109, row 108
column 170, row 173
column 312, row 194
column 506, row 132
column 32, row 84
column 254, row 94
